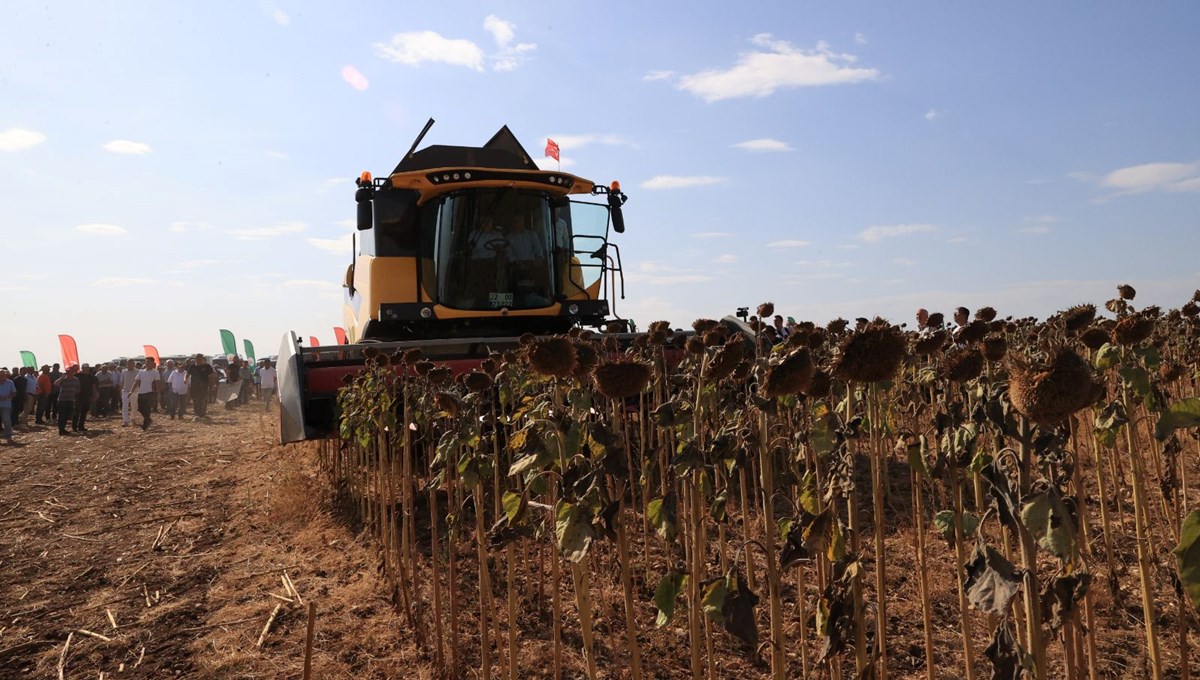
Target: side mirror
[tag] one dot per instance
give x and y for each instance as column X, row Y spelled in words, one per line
column 366, row 215
column 615, row 200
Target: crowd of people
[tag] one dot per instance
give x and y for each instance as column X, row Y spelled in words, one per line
column 52, row 396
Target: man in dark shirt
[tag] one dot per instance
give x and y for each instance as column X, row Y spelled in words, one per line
column 87, row 393
column 199, row 376
column 18, row 402
column 68, row 391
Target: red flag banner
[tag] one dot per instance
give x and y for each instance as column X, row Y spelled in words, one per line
column 552, row 149
column 312, row 341
column 152, row 351
column 70, row 353
column 340, row 334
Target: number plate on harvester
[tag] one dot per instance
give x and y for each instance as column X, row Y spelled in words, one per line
column 499, row 300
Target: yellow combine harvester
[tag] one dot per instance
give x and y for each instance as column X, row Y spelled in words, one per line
column 460, row 251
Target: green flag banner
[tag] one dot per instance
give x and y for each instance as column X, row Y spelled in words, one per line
column 228, row 343
column 250, row 351
column 27, row 359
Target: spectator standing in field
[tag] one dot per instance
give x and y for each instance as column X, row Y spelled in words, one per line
column 87, row 396
column 104, row 390
column 177, row 391
column 18, row 401
column 164, row 386
column 127, row 377
column 8, row 390
column 55, row 374
column 145, row 386
column 31, row 400
column 962, row 317
column 43, row 389
column 266, row 383
column 200, row 377
column 781, row 331
column 68, row 392
column 247, row 376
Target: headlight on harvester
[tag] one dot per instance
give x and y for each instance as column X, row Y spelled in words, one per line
column 426, row 312
column 573, row 310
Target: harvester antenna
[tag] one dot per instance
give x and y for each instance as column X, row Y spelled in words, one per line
column 421, row 136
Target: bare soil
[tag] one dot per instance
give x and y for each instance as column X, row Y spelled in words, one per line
column 160, row 554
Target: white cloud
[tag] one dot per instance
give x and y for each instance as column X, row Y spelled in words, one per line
column 126, row 146
column 278, row 154
column 726, row 259
column 181, row 227
column 338, row 246
column 931, row 115
column 98, row 229
column 957, row 239
column 1038, row 229
column 764, row 144
column 510, row 58
column 17, row 139
column 777, row 64
column 904, row 261
column 355, row 78
column 263, row 233
column 822, row 264
column 860, row 39
column 711, row 234
column 658, row 75
column 789, row 243
column 1154, row 177
column 120, row 282
column 677, row 182
column 875, row 233
column 503, row 31
column 281, row 17
column 418, row 47
column 667, row 279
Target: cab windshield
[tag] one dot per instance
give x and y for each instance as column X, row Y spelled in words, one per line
column 495, row 249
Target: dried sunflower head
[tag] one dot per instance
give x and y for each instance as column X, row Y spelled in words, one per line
column 1126, row 291
column 705, row 325
column 1133, row 329
column 1170, row 371
column 610, row 344
column 837, row 326
column 440, row 375
column 1078, row 317
column 792, row 375
column 622, row 378
column 695, row 345
column 985, row 314
column 423, row 367
column 663, row 326
column 994, row 347
column 930, row 343
column 871, row 354
column 552, row 356
column 963, row 364
column 1047, row 394
column 766, row 309
column 656, row 337
column 973, row 332
column 820, row 385
column 727, row 358
column 412, row 356
column 586, row 358
column 936, row 320
column 444, row 401
column 1189, row 309
column 370, row 353
column 477, row 381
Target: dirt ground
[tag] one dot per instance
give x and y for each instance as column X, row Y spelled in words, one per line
column 161, row 554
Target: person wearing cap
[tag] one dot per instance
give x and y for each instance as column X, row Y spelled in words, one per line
column 44, row 387
column 267, row 383
column 68, row 391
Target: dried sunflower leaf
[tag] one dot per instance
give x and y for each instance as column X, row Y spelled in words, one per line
column 992, row 581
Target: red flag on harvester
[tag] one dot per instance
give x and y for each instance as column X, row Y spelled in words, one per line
column 312, row 341
column 340, row 334
column 552, row 149
column 70, row 352
column 152, row 351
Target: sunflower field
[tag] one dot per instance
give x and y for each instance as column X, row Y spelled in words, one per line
column 1009, row 499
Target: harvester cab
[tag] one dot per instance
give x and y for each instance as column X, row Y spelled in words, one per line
column 459, row 251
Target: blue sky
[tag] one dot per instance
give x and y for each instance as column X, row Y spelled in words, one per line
column 170, row 170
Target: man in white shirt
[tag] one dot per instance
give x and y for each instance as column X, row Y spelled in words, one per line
column 145, row 386
column 266, row 384
column 127, row 377
column 177, row 388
